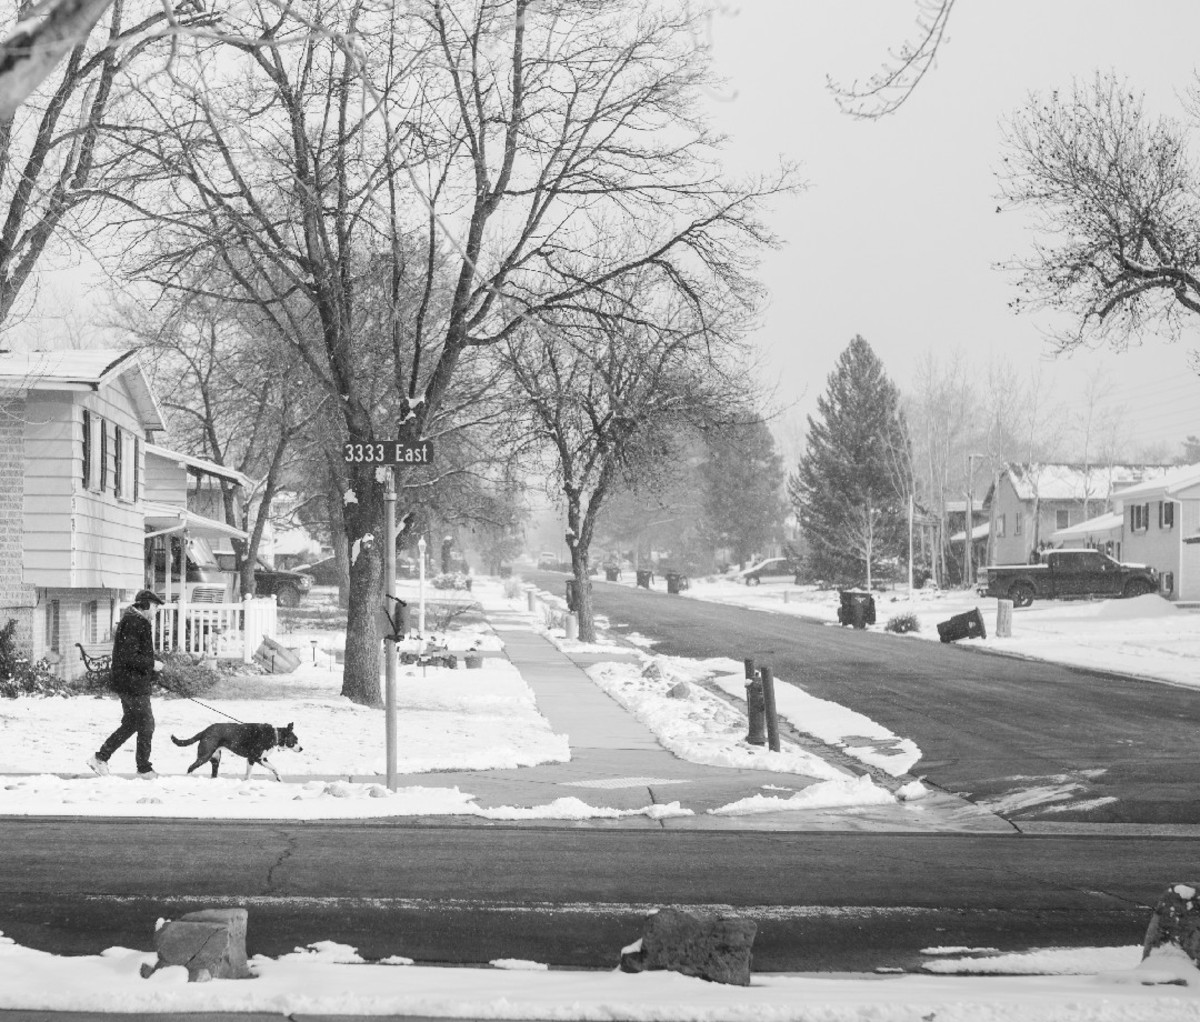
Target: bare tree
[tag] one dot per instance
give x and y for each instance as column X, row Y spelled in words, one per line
column 1116, row 207
column 69, row 83
column 495, row 146
column 890, row 87
column 606, row 391
column 941, row 416
column 233, row 396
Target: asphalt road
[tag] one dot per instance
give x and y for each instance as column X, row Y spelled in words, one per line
column 1007, row 732
column 568, row 896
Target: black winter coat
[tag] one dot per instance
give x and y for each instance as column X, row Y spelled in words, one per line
column 133, row 655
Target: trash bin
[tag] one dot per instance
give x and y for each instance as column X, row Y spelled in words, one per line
column 644, row 576
column 612, row 574
column 676, row 582
column 857, row 608
column 968, row 625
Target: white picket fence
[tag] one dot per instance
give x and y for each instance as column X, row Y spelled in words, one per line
column 231, row 631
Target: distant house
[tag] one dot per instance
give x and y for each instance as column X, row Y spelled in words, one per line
column 1033, row 502
column 1160, row 521
column 73, row 432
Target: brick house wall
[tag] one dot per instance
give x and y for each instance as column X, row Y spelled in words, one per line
column 17, row 600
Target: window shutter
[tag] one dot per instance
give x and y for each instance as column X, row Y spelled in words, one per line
column 118, row 445
column 137, row 468
column 103, row 455
column 87, row 449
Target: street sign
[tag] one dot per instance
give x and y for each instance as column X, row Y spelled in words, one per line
column 388, row 452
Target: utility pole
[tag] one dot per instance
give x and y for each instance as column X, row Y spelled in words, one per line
column 969, row 538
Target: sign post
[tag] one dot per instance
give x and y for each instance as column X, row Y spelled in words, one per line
column 389, row 644
column 421, row 575
column 385, row 454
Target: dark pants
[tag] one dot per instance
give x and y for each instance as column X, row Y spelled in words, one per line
column 136, row 716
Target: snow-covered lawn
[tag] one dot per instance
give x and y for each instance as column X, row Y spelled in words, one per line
column 324, row 978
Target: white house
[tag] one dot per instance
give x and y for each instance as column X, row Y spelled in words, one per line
column 1160, row 521
column 73, row 431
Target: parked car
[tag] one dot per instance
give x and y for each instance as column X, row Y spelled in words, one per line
column 772, row 567
column 1073, row 573
column 547, row 561
column 323, row 572
column 288, row 587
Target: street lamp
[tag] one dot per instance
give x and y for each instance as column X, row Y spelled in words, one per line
column 969, row 539
column 421, row 591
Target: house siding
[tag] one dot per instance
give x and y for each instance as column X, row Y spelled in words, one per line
column 1158, row 547
column 102, row 547
column 1010, row 548
column 17, row 599
column 1187, row 583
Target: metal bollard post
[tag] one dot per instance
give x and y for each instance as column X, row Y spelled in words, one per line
column 768, row 688
column 531, row 595
column 572, row 626
column 755, row 713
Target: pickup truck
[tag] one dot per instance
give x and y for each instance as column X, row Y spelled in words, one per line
column 1068, row 574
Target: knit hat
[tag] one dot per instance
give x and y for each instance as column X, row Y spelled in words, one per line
column 145, row 598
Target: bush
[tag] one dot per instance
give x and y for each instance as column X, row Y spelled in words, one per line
column 902, row 623
column 187, row 675
column 454, row 580
column 514, row 588
column 20, row 676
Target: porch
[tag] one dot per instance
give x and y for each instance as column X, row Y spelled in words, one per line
column 225, row 631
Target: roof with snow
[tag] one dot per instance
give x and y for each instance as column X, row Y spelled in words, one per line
column 1178, row 477
column 1078, row 482
column 84, row 369
column 1107, row 522
column 201, row 465
column 977, row 533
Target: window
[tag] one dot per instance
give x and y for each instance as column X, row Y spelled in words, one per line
column 1062, row 519
column 52, row 626
column 1000, row 526
column 87, row 449
column 118, row 450
column 1166, row 514
column 1139, row 517
column 1018, row 523
column 89, row 618
column 103, row 455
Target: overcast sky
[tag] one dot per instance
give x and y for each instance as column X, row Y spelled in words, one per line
column 896, row 236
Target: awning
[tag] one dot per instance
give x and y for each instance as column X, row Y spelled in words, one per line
column 163, row 517
column 1081, row 530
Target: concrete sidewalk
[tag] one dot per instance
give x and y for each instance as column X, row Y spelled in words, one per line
column 615, row 754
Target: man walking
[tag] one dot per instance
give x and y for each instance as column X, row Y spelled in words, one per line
column 133, row 669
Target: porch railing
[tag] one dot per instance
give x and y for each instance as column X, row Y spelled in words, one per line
column 228, row 631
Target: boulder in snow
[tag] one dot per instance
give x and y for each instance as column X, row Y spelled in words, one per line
column 1176, row 922
column 702, row 944
column 210, row 944
column 682, row 690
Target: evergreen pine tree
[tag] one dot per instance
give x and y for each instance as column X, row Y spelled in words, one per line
column 850, row 489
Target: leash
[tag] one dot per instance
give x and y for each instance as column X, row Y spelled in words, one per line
column 198, row 703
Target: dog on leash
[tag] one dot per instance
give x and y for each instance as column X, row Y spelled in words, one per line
column 249, row 740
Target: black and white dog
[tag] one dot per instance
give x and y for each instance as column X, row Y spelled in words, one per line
column 249, row 740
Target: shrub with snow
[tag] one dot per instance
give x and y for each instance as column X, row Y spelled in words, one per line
column 902, row 623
